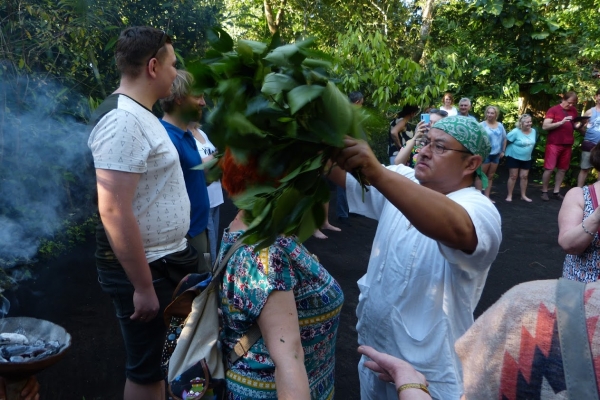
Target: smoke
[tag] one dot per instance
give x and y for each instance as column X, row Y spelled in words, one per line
column 45, row 178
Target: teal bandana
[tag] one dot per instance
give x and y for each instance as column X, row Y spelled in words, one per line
column 471, row 135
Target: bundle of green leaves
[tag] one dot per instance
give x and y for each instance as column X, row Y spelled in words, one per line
column 277, row 113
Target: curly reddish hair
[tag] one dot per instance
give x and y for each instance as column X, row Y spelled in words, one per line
column 237, row 177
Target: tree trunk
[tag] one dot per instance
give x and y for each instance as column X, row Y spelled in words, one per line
column 274, row 23
column 427, row 17
column 534, row 104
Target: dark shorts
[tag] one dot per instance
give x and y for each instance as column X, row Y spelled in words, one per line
column 144, row 340
column 512, row 163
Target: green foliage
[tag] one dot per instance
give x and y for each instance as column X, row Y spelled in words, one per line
column 367, row 62
column 278, row 113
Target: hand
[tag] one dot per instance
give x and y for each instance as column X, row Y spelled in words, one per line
column 358, row 156
column 422, row 128
column 145, row 304
column 391, row 369
column 565, row 119
column 31, row 391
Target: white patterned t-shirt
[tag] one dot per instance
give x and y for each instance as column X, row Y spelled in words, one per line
column 130, row 138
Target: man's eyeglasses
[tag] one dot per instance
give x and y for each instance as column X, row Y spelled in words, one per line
column 439, row 112
column 163, row 40
column 438, row 148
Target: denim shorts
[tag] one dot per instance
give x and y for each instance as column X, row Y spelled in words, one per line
column 492, row 158
column 144, row 341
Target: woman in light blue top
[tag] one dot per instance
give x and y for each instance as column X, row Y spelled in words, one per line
column 497, row 134
column 521, row 142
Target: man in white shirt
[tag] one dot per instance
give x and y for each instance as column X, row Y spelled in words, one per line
column 436, row 239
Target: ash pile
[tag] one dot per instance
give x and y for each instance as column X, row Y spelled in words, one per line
column 17, row 348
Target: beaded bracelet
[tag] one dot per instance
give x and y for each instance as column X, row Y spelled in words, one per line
column 413, row 386
column 586, row 231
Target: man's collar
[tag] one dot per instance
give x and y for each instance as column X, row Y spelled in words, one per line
column 175, row 129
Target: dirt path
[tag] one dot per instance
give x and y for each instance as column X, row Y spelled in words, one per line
column 66, row 292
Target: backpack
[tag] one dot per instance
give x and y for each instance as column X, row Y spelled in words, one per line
column 192, row 352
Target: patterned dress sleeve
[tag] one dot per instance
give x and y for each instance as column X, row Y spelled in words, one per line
column 252, row 276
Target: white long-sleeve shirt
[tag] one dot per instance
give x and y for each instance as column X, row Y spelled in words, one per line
column 418, row 296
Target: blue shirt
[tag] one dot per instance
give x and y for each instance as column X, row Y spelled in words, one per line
column 497, row 137
column 593, row 129
column 195, row 183
column 520, row 145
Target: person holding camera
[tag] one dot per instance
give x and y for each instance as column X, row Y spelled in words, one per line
column 397, row 136
column 408, row 154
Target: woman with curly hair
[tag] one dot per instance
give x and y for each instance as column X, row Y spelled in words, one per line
column 497, row 135
column 521, row 142
column 294, row 301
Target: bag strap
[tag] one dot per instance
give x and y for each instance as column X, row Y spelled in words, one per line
column 218, row 267
column 578, row 366
column 245, row 343
column 594, row 199
column 593, row 195
column 253, row 334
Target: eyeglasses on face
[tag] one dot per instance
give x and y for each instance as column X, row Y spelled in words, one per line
column 438, row 148
column 162, row 41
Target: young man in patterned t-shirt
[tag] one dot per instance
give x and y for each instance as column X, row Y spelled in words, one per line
column 143, row 205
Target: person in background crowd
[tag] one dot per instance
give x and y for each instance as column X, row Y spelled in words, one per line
column 515, row 350
column 497, row 135
column 558, row 123
column 398, row 135
column 578, row 223
column 215, row 191
column 408, row 154
column 592, row 137
column 521, row 142
column 447, row 106
column 437, row 237
column 357, row 99
column 182, row 108
column 464, row 106
column 142, row 252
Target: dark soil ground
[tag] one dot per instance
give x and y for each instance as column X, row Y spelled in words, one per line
column 66, row 292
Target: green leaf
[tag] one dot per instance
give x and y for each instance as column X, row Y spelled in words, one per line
column 302, row 95
column 314, row 63
column 285, row 56
column 284, row 206
column 259, row 219
column 277, row 83
column 219, row 39
column 538, row 87
column 206, row 165
column 337, row 114
column 257, row 47
column 246, row 200
column 508, row 22
column 308, row 165
column 495, row 7
column 239, row 123
column 552, row 25
column 307, row 225
column 111, row 43
column 540, row 35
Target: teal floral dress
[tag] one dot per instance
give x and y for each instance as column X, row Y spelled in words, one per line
column 248, row 280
